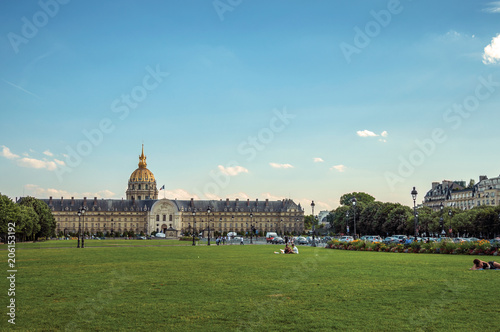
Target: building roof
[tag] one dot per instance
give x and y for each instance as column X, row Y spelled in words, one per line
column 62, row 204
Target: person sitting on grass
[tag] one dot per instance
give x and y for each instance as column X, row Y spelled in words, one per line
column 287, row 250
column 295, row 250
column 482, row 265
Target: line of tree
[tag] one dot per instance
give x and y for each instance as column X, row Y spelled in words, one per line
column 32, row 217
column 378, row 218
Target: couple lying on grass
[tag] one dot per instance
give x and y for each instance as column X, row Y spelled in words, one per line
column 482, row 265
column 288, row 250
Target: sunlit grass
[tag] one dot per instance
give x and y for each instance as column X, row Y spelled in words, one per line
column 249, row 288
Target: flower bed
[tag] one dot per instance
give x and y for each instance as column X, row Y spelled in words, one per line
column 482, row 247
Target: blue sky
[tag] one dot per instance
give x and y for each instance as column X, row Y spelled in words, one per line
column 251, row 99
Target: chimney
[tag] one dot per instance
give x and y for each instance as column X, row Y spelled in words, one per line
column 237, row 200
column 482, row 178
column 227, row 201
column 62, row 200
column 85, row 201
column 95, row 201
column 248, row 201
column 50, row 201
column 267, row 202
column 72, row 201
column 192, row 202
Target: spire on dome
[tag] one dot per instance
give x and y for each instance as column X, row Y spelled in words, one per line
column 142, row 159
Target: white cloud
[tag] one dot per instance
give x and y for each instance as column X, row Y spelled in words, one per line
column 318, row 160
column 271, row 197
column 180, row 194
column 492, row 51
column 5, row 152
column 338, row 168
column 36, row 163
column 494, row 8
column 232, row 171
column 39, row 192
column 275, row 165
column 26, row 161
column 366, row 133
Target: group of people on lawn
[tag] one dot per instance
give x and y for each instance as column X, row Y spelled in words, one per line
column 288, row 250
column 482, row 265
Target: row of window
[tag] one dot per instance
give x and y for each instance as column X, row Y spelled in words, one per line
column 98, row 225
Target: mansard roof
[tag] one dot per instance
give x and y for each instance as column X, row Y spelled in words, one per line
column 286, row 205
column 63, row 204
column 95, row 204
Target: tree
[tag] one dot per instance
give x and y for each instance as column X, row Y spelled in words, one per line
column 398, row 220
column 45, row 218
column 28, row 224
column 361, row 198
column 368, row 223
column 9, row 213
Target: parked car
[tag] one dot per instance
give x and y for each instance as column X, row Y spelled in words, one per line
column 388, row 240
column 346, row 239
column 399, row 238
column 373, row 238
column 301, row 240
column 278, row 240
column 160, row 235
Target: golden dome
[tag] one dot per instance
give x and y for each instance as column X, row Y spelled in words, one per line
column 142, row 174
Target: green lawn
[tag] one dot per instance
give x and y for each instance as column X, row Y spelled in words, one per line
column 97, row 243
column 224, row 288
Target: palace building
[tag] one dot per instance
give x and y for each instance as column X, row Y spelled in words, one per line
column 142, row 211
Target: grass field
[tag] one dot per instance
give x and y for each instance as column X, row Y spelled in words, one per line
column 227, row 288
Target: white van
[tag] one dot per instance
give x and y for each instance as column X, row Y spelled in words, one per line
column 270, row 236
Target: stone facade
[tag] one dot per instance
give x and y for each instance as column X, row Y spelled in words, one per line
column 454, row 194
column 143, row 212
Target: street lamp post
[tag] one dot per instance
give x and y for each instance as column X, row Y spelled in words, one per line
column 441, row 208
column 354, row 201
column 79, row 226
column 313, row 229
column 450, row 213
column 83, row 227
column 194, row 225
column 347, row 223
column 208, row 221
column 251, row 227
column 414, row 194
